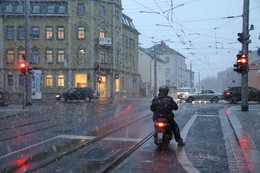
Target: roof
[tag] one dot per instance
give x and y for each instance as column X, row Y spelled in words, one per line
column 151, row 54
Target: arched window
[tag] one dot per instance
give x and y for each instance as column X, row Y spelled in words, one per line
column 49, row 80
column 60, row 80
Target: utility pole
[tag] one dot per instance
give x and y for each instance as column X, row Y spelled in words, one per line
column 155, row 71
column 245, row 42
column 28, row 78
column 191, row 75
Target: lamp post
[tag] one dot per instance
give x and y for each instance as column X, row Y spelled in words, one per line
column 191, row 70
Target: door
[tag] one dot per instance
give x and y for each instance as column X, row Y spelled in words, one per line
column 102, row 87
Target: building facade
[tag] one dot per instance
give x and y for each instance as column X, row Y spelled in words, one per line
column 176, row 73
column 147, row 71
column 73, row 42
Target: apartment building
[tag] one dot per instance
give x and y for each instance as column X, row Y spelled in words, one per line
column 73, row 43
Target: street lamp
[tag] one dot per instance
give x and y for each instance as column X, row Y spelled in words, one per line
column 191, row 70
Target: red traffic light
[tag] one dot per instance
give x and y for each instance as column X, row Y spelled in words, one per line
column 243, row 60
column 99, row 79
column 116, row 76
column 241, row 63
column 23, row 67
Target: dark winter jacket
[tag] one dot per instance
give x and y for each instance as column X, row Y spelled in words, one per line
column 163, row 105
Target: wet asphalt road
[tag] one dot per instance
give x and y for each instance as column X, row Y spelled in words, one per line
column 30, row 140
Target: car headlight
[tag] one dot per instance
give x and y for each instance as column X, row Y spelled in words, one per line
column 57, row 96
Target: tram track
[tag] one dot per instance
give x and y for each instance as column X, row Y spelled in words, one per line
column 58, row 156
column 80, row 146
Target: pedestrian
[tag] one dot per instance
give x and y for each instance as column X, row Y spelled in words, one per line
column 162, row 107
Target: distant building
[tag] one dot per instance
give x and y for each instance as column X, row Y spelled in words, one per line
column 254, row 70
column 146, row 70
column 177, row 74
column 73, row 42
column 228, row 78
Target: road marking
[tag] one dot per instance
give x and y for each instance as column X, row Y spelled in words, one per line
column 180, row 152
column 107, row 138
column 31, row 146
column 208, row 156
column 216, row 116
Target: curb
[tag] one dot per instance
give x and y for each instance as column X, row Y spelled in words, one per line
column 245, row 140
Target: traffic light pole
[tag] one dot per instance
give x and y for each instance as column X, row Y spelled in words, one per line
column 244, row 87
column 28, row 78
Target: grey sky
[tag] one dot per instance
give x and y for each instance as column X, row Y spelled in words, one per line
column 198, row 29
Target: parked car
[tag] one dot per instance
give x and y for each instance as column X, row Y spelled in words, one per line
column 233, row 94
column 87, row 94
column 203, row 94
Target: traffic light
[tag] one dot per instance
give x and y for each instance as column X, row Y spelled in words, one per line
column 242, row 38
column 241, row 63
column 99, row 79
column 116, row 76
column 23, row 67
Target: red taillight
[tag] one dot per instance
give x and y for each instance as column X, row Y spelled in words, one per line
column 160, row 124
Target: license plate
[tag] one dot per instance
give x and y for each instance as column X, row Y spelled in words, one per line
column 160, row 135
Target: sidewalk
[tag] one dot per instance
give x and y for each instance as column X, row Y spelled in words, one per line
column 246, row 126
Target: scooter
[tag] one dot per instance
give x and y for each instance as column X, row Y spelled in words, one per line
column 163, row 132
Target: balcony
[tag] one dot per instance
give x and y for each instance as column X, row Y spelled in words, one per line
column 103, row 41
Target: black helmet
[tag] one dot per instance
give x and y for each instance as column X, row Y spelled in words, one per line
column 164, row 89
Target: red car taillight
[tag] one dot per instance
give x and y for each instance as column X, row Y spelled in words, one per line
column 227, row 93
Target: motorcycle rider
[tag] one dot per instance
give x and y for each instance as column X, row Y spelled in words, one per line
column 162, row 107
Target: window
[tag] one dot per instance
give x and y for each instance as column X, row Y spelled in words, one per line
column 49, row 32
column 10, row 56
column 51, row 9
column 81, row 32
column 19, row 9
column 81, row 9
column 102, row 11
column 61, row 33
column 61, row 80
column 102, row 35
column 35, row 56
column 21, row 81
column 9, row 8
column 35, row 32
column 102, row 56
column 81, row 56
column 21, row 33
column 61, row 56
column 21, row 53
column 117, row 36
column 49, row 81
column 36, row 9
column 10, row 80
column 49, row 56
column 9, row 32
column 62, row 9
